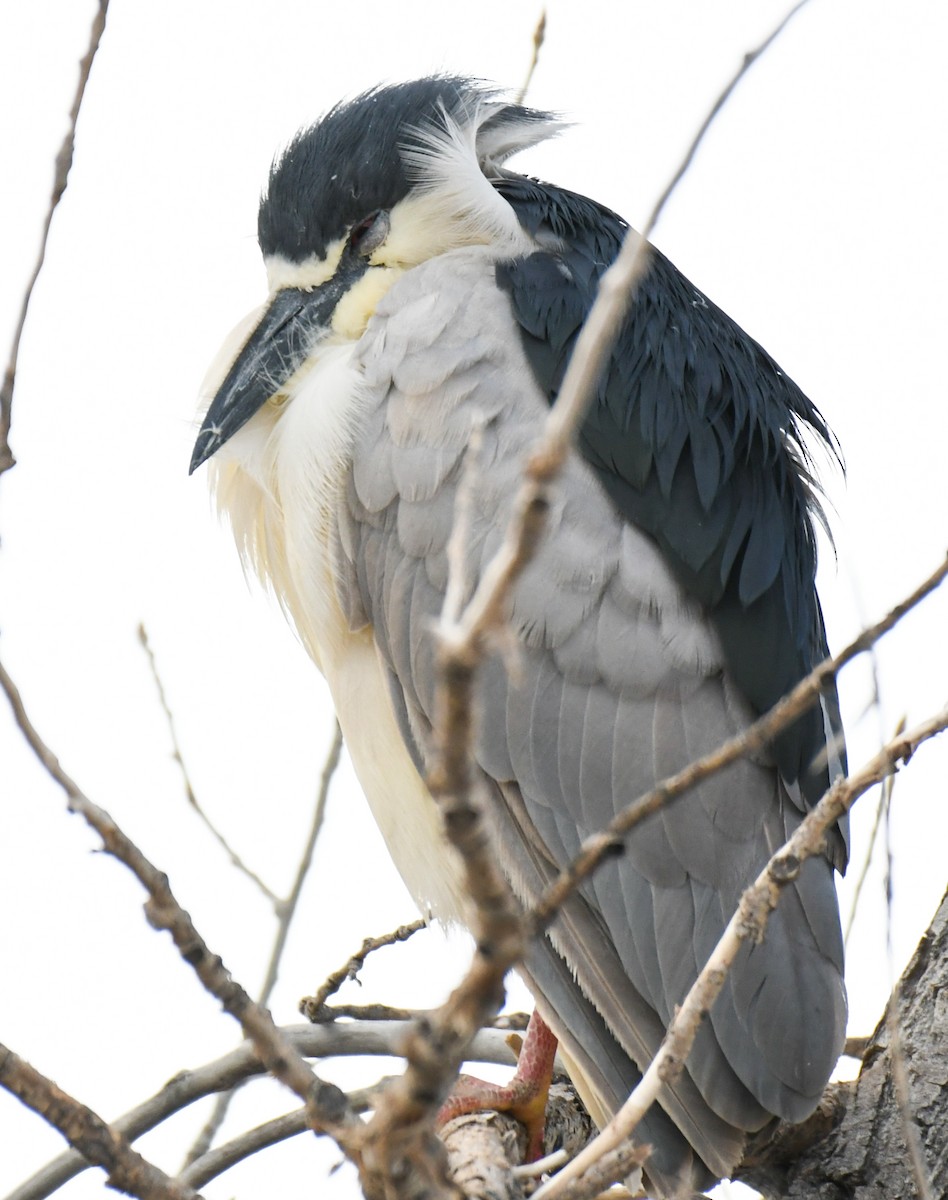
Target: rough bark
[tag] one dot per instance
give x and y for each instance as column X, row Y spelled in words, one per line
column 856, row 1147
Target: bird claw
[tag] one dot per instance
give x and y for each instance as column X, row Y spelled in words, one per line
column 524, row 1098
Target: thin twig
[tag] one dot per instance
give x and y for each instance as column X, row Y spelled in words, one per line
column 212, row 1163
column 215, row 1162
column 351, row 968
column 749, row 59
column 324, row 1102
column 541, row 1166
column 755, row 737
column 749, row 921
column 97, row 1141
column 609, row 1167
column 63, row 164
column 190, row 795
column 856, row 1047
column 882, row 806
column 539, row 36
column 287, row 908
column 873, row 703
column 456, row 549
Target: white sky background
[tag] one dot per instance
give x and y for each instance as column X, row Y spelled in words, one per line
column 814, row 215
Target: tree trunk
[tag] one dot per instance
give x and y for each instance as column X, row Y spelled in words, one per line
column 857, row 1146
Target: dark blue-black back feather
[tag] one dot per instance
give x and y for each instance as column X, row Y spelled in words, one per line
column 698, row 437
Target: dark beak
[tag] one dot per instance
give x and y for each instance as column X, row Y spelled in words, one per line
column 286, row 334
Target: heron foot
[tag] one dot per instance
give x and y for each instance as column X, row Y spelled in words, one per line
column 524, row 1097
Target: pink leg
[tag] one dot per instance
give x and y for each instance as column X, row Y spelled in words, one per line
column 524, row 1097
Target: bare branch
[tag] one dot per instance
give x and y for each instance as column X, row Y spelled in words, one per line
column 211, row 1163
column 608, row 1167
column 324, row 1102
column 385, row 1012
column 855, row 1047
column 351, row 1038
column 398, row 1140
column 97, row 1142
column 63, row 164
column 749, row 921
column 483, row 1149
column 569, row 1125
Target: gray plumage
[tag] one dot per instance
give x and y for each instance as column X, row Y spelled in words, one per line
column 619, row 683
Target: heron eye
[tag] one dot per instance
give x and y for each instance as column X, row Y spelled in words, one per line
column 370, row 232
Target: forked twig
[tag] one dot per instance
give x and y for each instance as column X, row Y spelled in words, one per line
column 351, row 968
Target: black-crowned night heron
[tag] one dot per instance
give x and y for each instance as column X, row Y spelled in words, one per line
column 419, row 291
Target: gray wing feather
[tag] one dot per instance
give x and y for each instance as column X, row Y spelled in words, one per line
column 619, row 682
